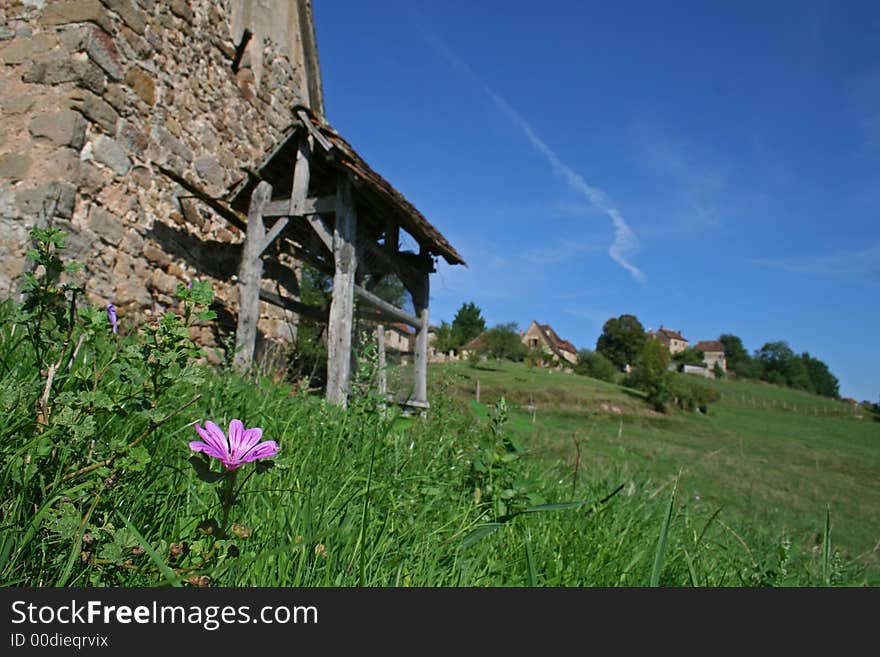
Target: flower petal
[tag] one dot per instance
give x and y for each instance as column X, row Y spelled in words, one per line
column 236, row 433
column 249, row 439
column 213, row 435
column 265, row 449
column 199, row 446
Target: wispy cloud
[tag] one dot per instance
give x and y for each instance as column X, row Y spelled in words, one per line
column 625, row 241
column 841, row 264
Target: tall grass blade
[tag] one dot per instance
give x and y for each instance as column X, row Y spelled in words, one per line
column 826, row 549
column 169, row 575
column 530, row 563
column 661, row 543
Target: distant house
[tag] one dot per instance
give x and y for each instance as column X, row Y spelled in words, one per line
column 399, row 337
column 475, row 346
column 673, row 340
column 713, row 352
column 542, row 337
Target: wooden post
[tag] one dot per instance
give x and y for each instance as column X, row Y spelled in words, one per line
column 420, row 295
column 383, row 379
column 342, row 306
column 250, row 274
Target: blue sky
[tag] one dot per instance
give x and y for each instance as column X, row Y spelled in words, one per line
column 712, row 167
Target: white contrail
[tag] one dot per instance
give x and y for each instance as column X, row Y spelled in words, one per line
column 624, row 238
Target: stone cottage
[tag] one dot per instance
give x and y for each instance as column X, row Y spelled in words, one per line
column 161, row 135
column 542, row 337
column 713, row 352
column 98, row 98
column 673, row 340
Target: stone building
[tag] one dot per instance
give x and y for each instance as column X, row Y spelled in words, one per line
column 162, row 135
column 542, row 337
column 105, row 105
column 673, row 340
column 713, row 352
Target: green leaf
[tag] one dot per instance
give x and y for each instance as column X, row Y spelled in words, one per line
column 203, row 470
column 479, row 533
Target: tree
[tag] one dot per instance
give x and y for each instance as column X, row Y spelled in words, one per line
column 652, row 375
column 594, row 364
column 445, row 340
column 503, row 341
column 738, row 359
column 823, row 381
column 468, row 323
column 689, row 356
column 622, row 340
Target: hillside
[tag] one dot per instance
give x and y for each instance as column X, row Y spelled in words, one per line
column 768, row 456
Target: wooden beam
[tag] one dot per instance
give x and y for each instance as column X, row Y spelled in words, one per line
column 321, row 230
column 299, row 188
column 309, row 205
column 420, row 296
column 314, row 312
column 342, row 306
column 277, row 227
column 387, row 308
column 314, row 132
column 250, row 273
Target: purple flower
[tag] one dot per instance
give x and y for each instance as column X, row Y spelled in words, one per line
column 242, row 446
column 111, row 317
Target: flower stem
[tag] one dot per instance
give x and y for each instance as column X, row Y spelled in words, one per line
column 228, row 495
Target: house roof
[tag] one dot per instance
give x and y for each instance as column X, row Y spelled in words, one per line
column 666, row 334
column 477, row 343
column 555, row 340
column 375, row 198
column 709, row 345
column 400, row 327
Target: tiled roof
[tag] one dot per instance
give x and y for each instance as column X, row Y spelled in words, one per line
column 709, row 345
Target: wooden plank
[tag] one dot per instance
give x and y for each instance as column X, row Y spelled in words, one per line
column 309, row 205
column 342, row 307
column 250, row 273
column 387, row 308
column 314, row 312
column 321, row 230
column 420, row 296
column 277, row 227
column 314, row 132
column 299, row 188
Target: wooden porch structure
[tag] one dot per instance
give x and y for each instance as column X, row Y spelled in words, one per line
column 314, row 200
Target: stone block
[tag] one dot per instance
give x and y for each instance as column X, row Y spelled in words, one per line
column 156, row 256
column 142, row 84
column 53, row 199
column 209, row 170
column 64, row 128
column 77, row 11
column 130, row 14
column 58, row 68
column 182, row 9
column 105, row 225
column 103, row 52
column 23, row 50
column 95, row 109
column 14, row 166
column 17, row 104
column 108, row 151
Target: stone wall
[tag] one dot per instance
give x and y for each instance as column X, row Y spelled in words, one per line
column 93, row 95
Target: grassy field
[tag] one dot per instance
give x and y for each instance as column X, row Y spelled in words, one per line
column 771, row 458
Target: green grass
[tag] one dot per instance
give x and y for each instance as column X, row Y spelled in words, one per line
column 773, row 459
column 362, row 497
